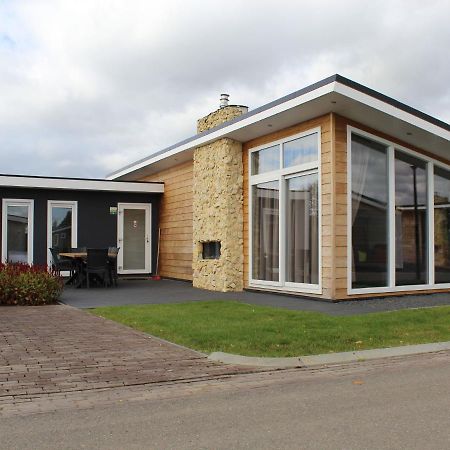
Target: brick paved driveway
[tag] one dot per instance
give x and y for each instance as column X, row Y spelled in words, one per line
column 50, row 350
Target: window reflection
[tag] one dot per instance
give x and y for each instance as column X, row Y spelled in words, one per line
column 410, row 220
column 266, row 160
column 265, row 228
column 17, row 234
column 442, row 225
column 302, row 222
column 369, row 213
column 62, row 228
column 301, row 150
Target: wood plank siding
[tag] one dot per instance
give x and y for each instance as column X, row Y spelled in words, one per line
column 324, row 122
column 175, row 221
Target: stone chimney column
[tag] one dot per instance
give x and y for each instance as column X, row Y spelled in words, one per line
column 217, row 206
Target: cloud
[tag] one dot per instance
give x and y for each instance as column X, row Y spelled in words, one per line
column 91, row 85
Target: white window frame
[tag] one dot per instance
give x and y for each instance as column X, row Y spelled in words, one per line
column 61, row 204
column 281, row 175
column 29, row 203
column 430, row 164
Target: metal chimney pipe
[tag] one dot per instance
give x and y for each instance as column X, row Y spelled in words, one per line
column 224, row 98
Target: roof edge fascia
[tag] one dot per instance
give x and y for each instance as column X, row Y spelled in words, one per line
column 240, row 122
column 335, row 83
column 79, row 184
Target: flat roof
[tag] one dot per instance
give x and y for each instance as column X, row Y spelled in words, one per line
column 79, row 184
column 333, row 94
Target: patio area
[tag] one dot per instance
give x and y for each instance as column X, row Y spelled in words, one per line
column 133, row 292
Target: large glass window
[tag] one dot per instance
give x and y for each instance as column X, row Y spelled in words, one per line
column 442, row 225
column 302, row 221
column 266, row 213
column 61, row 226
column 410, row 220
column 369, row 213
column 400, row 218
column 285, row 212
column 17, row 234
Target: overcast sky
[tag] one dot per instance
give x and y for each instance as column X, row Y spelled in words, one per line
column 88, row 86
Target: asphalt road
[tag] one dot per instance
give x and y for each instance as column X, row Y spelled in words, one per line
column 390, row 404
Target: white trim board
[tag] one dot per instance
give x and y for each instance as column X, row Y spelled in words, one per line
column 80, row 184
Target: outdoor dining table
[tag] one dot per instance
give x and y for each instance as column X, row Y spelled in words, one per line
column 83, row 255
column 78, row 258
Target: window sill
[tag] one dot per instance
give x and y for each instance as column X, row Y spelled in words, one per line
column 300, row 289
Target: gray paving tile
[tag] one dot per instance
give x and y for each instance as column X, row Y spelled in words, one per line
column 131, row 292
column 80, row 352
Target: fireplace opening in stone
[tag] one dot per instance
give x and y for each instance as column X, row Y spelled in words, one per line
column 211, row 250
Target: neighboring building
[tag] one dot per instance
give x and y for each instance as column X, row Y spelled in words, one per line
column 335, row 191
column 42, row 212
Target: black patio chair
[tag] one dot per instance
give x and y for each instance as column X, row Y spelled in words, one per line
column 97, row 264
column 61, row 264
column 113, row 264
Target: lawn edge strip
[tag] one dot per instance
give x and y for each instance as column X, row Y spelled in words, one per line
column 328, row 358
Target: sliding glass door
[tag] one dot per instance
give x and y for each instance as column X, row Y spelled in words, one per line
column 285, row 216
column 266, row 236
column 17, row 235
column 302, row 229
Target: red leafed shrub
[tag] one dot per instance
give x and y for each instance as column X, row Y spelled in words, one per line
column 22, row 284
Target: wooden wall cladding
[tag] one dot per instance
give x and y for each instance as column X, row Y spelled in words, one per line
column 175, row 221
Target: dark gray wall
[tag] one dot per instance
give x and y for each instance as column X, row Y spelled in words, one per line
column 96, row 226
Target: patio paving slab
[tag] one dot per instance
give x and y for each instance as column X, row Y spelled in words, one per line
column 133, row 292
column 50, row 350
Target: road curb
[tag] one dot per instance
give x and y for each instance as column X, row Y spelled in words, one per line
column 330, row 358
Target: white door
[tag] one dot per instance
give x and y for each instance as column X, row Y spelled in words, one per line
column 133, row 238
column 17, row 236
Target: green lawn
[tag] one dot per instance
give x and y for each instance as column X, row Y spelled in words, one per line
column 263, row 331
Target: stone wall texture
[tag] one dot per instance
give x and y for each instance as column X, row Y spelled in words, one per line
column 220, row 116
column 217, row 207
column 217, row 213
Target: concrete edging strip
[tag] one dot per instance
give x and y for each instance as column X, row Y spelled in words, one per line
column 328, row 358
